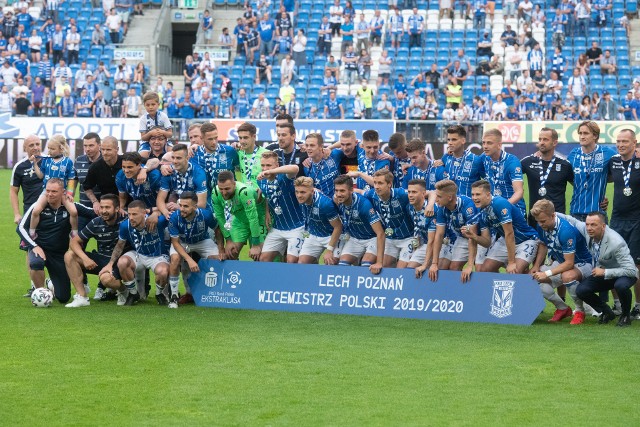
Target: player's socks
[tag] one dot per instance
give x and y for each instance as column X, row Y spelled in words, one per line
column 174, row 282
column 365, row 264
column 131, row 287
column 159, row 289
column 344, row 263
column 552, row 297
column 572, row 286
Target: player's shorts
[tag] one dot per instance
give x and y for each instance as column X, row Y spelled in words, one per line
column 525, row 251
column 400, row 249
column 457, row 251
column 205, row 248
column 358, row 247
column 241, row 232
column 556, row 281
column 144, row 262
column 100, row 260
column 419, row 254
column 630, row 232
column 314, row 246
column 284, row 240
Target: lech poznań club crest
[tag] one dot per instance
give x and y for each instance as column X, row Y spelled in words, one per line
column 502, row 299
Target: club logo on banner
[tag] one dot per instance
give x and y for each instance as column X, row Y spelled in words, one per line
column 502, row 298
column 490, row 298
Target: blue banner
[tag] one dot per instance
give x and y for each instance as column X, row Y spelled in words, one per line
column 490, row 298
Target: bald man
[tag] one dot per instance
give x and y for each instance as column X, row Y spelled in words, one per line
column 24, row 178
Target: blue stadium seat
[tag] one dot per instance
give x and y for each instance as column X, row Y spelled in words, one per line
column 632, row 7
column 596, row 79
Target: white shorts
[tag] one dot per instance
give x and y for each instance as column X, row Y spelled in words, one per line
column 205, row 248
column 556, row 280
column 314, row 246
column 419, row 254
column 525, row 251
column 358, row 247
column 284, row 240
column 400, row 249
column 143, row 261
column 457, row 251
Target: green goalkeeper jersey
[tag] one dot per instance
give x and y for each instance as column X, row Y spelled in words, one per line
column 241, row 216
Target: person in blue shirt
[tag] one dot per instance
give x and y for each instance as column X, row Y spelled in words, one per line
column 322, row 170
column 147, row 251
column 363, row 237
column 516, row 242
column 322, row 225
column 451, row 250
column 392, row 204
column 212, row 156
column 400, row 105
column 189, row 229
column 368, row 160
column 266, row 29
column 84, row 105
column 502, row 170
column 24, row 19
column 479, row 14
column 590, row 164
column 484, row 93
column 423, row 168
column 224, row 106
column 421, row 247
column 185, row 176
column 333, row 108
column 400, row 85
column 415, row 25
column 460, row 165
column 187, row 106
column 126, row 182
column 67, row 105
column 570, row 256
column 401, row 159
column 242, row 105
column 206, row 106
column 285, row 214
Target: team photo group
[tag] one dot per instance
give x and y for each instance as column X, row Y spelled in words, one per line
column 155, row 212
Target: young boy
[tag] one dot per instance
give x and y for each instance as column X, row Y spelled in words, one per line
column 154, row 122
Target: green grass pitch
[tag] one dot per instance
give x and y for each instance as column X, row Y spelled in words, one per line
column 147, row 365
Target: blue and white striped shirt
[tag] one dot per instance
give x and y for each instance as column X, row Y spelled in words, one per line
column 500, row 212
column 590, row 172
column 286, row 212
column 193, row 231
column 324, row 172
column 319, row 214
column 463, row 171
column 194, row 179
column 394, row 213
column 358, row 218
column 143, row 241
column 502, row 174
column 465, row 213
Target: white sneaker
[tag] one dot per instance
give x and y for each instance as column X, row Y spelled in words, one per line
column 589, row 310
column 87, row 290
column 78, row 301
column 173, row 303
column 122, row 297
column 98, row 295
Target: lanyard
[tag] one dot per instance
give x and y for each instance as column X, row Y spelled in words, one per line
column 545, row 176
column 190, row 225
column 495, row 167
column 626, row 174
column 309, row 210
column 293, row 155
column 553, row 235
column 228, row 206
column 249, row 166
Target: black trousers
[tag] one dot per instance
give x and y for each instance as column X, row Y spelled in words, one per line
column 57, row 272
column 588, row 288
